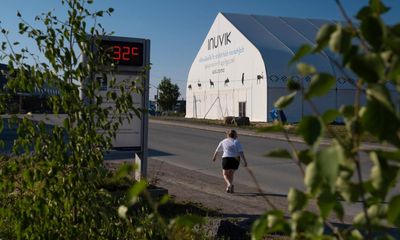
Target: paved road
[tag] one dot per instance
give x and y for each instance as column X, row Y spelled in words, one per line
column 193, row 149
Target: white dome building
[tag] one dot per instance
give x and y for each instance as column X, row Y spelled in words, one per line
column 242, row 68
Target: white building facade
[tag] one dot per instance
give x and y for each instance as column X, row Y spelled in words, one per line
column 242, row 68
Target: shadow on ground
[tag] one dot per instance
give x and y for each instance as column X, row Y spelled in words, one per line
column 129, row 154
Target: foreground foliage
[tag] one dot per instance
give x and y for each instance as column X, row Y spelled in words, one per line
column 332, row 174
column 52, row 184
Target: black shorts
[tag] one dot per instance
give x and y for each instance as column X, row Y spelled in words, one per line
column 230, row 163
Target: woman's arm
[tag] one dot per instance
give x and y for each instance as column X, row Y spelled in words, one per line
column 244, row 158
column 218, row 149
column 215, row 156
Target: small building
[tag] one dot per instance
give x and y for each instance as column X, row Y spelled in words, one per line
column 35, row 101
column 242, row 68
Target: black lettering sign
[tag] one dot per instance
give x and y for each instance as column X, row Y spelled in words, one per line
column 220, row 40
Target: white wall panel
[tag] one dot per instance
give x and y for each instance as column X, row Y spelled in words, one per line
column 227, row 64
column 244, row 58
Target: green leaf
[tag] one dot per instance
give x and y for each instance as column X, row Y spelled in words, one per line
column 356, row 235
column 124, row 170
column 297, row 200
column 390, row 155
column 304, row 49
column 359, row 219
column 323, row 36
column 373, row 31
column 306, row 224
column 375, row 120
column 393, row 215
column 340, row 40
column 305, row 156
column 327, row 164
column 312, row 178
column 349, row 54
column 348, row 190
column 378, row 7
column 369, row 67
column 330, row 116
column 339, row 210
column 165, row 199
column 99, row 13
column 284, row 101
column 383, row 175
column 364, row 13
column 347, row 111
column 27, row 177
column 394, row 72
column 272, row 221
column 320, row 85
column 326, row 202
column 278, row 153
column 306, row 69
column 381, row 94
column 259, row 228
column 66, row 123
column 135, row 191
column 310, row 129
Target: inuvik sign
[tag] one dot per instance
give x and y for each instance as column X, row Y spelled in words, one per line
column 219, row 40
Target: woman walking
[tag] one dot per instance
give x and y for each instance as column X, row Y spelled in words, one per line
column 232, row 152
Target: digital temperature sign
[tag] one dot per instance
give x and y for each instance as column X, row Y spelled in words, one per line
column 124, row 53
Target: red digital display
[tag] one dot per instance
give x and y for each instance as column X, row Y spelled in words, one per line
column 125, row 53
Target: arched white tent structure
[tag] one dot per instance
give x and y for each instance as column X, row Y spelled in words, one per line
column 242, row 68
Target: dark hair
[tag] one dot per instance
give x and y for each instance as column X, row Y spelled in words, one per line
column 231, row 133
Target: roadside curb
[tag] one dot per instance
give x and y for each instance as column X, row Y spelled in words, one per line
column 275, row 136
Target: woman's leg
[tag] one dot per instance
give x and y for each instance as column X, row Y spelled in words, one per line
column 227, row 178
column 231, row 174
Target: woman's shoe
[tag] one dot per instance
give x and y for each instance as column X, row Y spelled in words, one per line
column 231, row 190
column 228, row 189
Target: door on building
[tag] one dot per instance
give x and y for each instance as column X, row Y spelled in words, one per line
column 242, row 109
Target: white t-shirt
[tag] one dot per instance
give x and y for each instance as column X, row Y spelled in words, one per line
column 230, row 147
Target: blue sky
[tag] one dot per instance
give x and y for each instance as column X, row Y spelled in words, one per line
column 177, row 28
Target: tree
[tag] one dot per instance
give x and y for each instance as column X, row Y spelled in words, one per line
column 332, row 174
column 168, row 94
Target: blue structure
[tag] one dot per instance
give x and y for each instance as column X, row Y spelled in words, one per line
column 277, row 115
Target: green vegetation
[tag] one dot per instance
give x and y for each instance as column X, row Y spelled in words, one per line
column 54, row 184
column 333, row 173
column 168, row 94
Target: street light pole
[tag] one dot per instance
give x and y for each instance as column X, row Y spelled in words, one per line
column 156, row 97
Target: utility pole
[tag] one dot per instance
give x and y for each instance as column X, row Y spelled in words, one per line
column 156, row 97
